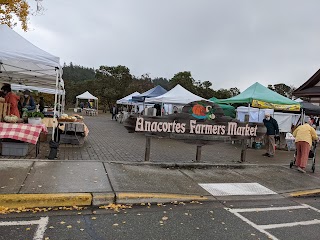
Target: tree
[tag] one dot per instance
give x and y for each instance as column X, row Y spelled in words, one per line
column 234, row 91
column 12, row 9
column 282, row 89
column 163, row 82
column 113, row 83
column 185, row 79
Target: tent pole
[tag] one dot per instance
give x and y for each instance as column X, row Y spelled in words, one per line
column 55, row 105
column 161, row 108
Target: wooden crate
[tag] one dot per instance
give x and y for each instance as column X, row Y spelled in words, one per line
column 4, row 110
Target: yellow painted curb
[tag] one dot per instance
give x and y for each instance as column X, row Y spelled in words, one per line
column 305, row 193
column 45, row 200
column 102, row 198
column 126, row 196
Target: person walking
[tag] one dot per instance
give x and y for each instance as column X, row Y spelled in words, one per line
column 272, row 130
column 304, row 136
column 114, row 112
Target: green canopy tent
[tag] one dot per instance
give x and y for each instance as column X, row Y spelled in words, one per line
column 262, row 97
column 227, row 109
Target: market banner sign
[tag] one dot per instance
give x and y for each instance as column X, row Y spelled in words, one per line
column 261, row 104
column 200, row 120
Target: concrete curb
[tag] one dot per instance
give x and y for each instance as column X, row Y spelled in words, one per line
column 162, row 164
column 305, row 193
column 45, row 200
column 136, row 198
column 197, row 165
column 14, row 201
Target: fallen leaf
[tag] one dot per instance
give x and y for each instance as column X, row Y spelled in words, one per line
column 78, row 221
column 160, row 221
column 165, row 218
column 81, row 229
column 142, row 204
column 139, row 214
column 93, row 218
column 62, row 222
column 252, row 234
column 94, row 212
column 46, row 238
column 211, row 211
column 124, row 222
column 27, row 229
column 51, row 227
column 69, row 226
column 115, row 224
column 222, row 223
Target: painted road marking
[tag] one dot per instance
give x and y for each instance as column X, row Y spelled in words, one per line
column 42, row 226
column 263, row 228
column 232, row 189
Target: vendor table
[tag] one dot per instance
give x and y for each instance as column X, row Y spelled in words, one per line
column 50, row 122
column 23, row 132
column 90, row 112
column 73, row 132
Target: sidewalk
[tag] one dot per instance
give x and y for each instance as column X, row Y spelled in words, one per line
column 110, row 168
column 59, row 183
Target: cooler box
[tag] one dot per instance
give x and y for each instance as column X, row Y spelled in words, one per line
column 14, row 149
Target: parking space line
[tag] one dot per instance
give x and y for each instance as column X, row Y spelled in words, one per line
column 42, row 226
column 262, row 228
column 292, row 224
column 269, row 209
column 313, row 208
column 252, row 224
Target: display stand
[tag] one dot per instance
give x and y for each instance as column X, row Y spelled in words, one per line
column 73, row 133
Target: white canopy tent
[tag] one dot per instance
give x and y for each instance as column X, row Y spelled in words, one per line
column 88, row 96
column 19, row 87
column 177, row 95
column 21, row 62
column 127, row 100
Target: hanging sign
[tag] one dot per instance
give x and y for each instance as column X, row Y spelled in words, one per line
column 283, row 107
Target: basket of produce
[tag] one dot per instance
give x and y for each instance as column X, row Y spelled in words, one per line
column 79, row 118
column 66, row 118
column 11, row 119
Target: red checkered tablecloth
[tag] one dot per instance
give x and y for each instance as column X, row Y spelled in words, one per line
column 22, row 132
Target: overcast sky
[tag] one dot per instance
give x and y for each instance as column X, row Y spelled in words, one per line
column 232, row 43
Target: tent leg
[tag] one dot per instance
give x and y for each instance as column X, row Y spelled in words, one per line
column 147, row 152
column 198, row 154
column 243, row 150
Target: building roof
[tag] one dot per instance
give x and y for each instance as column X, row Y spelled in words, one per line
column 309, row 88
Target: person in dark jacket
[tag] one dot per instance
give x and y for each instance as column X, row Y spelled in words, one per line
column 41, row 104
column 114, row 112
column 272, row 130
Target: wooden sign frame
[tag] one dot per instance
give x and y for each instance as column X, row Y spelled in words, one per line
column 199, row 123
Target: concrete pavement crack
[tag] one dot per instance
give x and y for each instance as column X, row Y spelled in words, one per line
column 109, row 179
column 30, row 168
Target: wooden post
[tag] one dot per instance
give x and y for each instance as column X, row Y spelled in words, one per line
column 243, row 150
column 198, row 155
column 147, row 152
